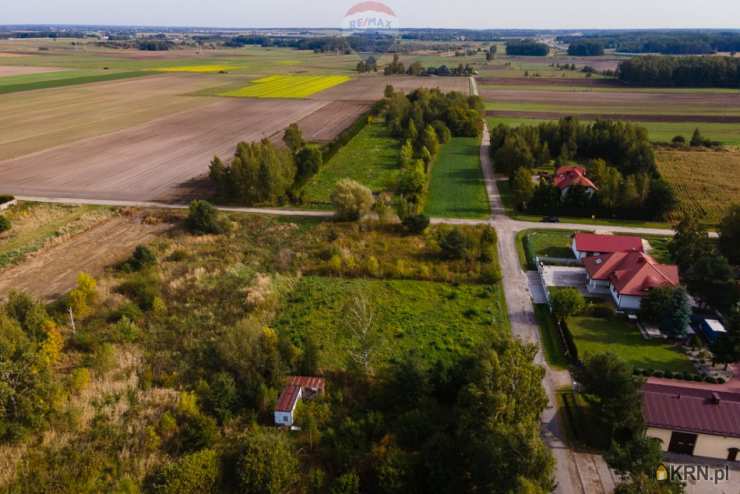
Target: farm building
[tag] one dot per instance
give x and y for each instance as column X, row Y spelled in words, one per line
column 590, row 244
column 567, row 177
column 693, row 421
column 296, row 388
column 627, row 276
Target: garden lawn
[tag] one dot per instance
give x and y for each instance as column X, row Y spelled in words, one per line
column 434, row 321
column 371, row 158
column 547, row 243
column 596, row 335
column 457, row 189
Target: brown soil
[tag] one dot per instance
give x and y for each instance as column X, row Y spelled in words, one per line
column 53, row 271
column 328, row 122
column 150, row 161
column 545, row 115
column 369, row 89
column 9, row 70
column 668, row 100
column 548, row 81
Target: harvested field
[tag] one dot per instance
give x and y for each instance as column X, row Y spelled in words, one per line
column 705, row 181
column 154, row 160
column 328, row 122
column 371, row 88
column 630, row 117
column 37, row 120
column 681, row 102
column 6, row 70
column 548, row 81
column 53, row 271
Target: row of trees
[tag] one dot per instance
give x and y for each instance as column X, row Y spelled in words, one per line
column 666, row 43
column 461, row 70
column 623, row 145
column 261, row 173
column 527, row 47
column 681, row 71
column 424, row 120
column 586, row 48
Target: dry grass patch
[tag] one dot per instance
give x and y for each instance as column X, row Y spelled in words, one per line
column 705, row 181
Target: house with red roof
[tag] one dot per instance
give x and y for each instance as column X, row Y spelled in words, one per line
column 567, row 177
column 627, row 276
column 693, row 421
column 590, row 244
column 296, row 388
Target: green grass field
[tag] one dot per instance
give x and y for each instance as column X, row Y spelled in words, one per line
column 457, row 189
column 547, row 243
column 371, row 158
column 595, row 335
column 435, row 321
column 288, row 86
column 49, row 80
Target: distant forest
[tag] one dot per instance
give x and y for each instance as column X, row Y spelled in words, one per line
column 663, row 42
column 681, row 71
column 377, row 43
column 527, row 47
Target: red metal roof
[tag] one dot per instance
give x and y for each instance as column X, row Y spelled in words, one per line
column 288, row 398
column 313, row 383
column 604, row 244
column 631, row 273
column 568, row 176
column 691, row 410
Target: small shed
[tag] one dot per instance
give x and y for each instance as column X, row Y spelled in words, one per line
column 296, row 388
column 712, row 330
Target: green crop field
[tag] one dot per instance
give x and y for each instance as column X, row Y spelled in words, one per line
column 596, row 335
column 436, row 321
column 607, row 108
column 457, row 189
column 371, row 158
column 287, row 86
column 15, row 84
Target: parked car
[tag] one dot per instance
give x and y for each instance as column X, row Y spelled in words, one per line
column 550, row 219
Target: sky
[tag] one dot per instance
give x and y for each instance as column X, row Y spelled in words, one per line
column 473, row 14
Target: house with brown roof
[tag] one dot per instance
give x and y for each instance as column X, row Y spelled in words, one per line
column 296, row 388
column 627, row 277
column 567, row 177
column 693, row 421
column 591, row 244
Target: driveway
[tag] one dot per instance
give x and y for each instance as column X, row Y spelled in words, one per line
column 565, row 277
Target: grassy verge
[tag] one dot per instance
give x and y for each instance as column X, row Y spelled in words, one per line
column 435, row 321
column 371, row 158
column 597, row 335
column 457, row 189
column 546, row 243
column 69, row 81
column 580, row 429
column 35, row 225
column 551, row 344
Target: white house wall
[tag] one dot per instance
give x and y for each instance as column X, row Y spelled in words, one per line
column 707, row 446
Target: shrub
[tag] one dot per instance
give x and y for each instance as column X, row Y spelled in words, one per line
column 142, row 258
column 79, row 380
column 455, row 244
column 658, row 373
column 638, row 371
column 104, row 359
column 602, row 311
column 143, row 289
column 195, row 473
column 351, row 199
column 567, row 302
column 203, row 218
column 5, row 224
column 267, row 464
column 416, row 223
column 490, row 274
